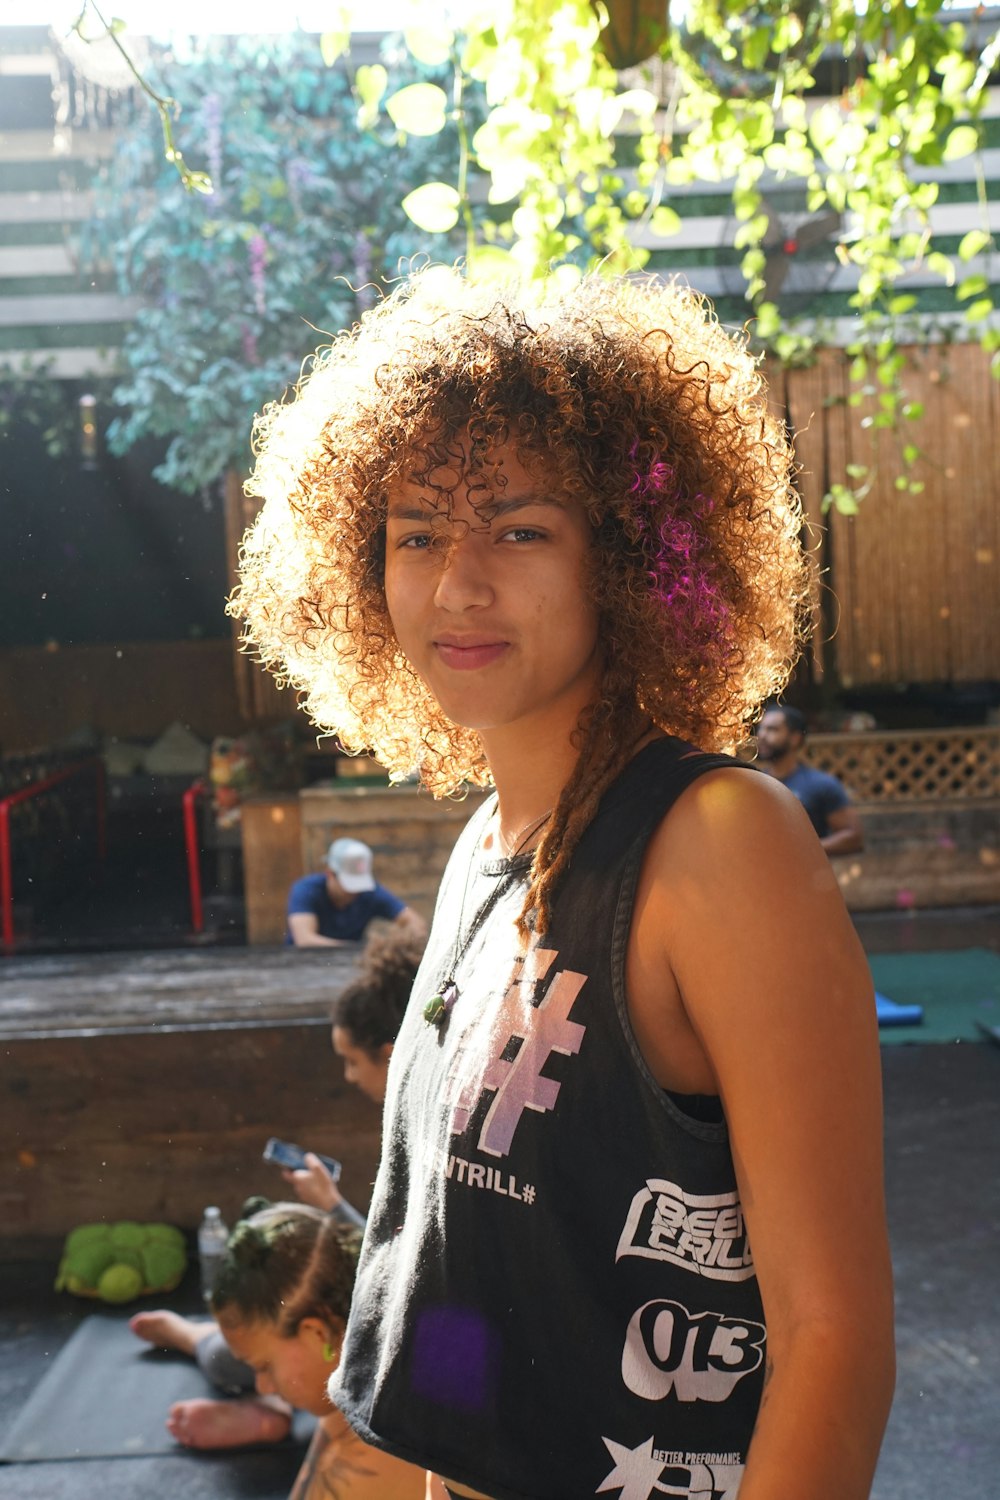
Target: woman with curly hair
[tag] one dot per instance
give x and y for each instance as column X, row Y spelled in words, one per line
column 282, row 1299
column 628, row 1233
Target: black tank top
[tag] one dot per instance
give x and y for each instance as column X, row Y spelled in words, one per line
column 556, row 1296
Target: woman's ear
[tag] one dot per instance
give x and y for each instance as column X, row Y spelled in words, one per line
column 326, row 1337
column 385, row 1051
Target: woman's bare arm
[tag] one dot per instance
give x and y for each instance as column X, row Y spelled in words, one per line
column 777, row 989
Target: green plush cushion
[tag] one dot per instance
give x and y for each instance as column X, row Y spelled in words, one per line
column 116, row 1262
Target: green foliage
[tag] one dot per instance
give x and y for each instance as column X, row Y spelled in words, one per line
column 302, row 224
column 914, row 89
column 735, row 78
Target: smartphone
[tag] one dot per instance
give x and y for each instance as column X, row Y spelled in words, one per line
column 284, row 1154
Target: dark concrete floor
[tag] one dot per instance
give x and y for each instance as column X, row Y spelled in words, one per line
column 942, row 1155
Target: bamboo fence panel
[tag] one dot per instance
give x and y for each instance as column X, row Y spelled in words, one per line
column 917, row 577
column 935, row 473
column 981, row 648
column 804, row 401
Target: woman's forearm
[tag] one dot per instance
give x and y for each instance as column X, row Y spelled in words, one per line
column 826, row 1402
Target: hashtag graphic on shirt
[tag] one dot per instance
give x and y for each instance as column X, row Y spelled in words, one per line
column 528, row 1193
column 541, row 1030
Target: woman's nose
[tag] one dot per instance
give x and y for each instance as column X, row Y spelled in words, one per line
column 463, row 580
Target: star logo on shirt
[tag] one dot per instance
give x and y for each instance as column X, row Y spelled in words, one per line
column 635, row 1473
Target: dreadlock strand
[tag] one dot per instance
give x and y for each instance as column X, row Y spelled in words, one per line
column 608, row 747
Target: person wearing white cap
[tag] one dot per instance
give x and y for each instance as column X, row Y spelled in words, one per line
column 334, row 907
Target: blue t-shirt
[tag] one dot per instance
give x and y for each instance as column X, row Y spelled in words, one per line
column 819, row 793
column 347, row 923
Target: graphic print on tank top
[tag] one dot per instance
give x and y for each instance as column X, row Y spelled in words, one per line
column 506, row 1056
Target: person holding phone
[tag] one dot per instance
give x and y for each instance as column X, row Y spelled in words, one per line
column 366, row 1020
column 628, row 1234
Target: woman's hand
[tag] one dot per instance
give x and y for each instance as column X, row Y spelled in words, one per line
column 313, row 1184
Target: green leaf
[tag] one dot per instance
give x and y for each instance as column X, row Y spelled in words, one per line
column 979, row 310
column 370, row 84
column 433, row 207
column 768, row 320
column 665, row 221
column 940, row 265
column 972, row 286
column 962, row 141
column 333, row 44
column 972, row 244
column 490, row 263
column 910, row 453
column 419, row 109
column 430, row 45
column 843, row 500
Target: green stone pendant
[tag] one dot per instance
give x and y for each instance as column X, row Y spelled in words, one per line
column 439, row 1005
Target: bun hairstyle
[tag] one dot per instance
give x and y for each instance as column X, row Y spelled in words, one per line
column 284, row 1263
column 372, row 1008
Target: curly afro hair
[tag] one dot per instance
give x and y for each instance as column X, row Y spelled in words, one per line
column 632, row 399
column 372, row 1008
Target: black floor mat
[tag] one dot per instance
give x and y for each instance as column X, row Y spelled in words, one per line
column 105, row 1396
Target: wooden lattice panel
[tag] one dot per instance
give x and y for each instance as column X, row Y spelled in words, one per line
column 926, row 765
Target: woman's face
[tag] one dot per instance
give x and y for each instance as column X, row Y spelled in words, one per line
column 366, row 1070
column 294, row 1367
column 493, row 609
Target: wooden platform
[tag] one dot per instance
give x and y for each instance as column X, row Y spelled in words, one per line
column 78, row 994
column 143, row 1086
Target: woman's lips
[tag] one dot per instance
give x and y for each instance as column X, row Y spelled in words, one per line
column 467, row 657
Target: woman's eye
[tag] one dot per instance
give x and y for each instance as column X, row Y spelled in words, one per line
column 419, row 542
column 522, row 534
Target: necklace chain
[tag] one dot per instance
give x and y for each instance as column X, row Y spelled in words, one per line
column 440, row 1005
column 520, row 838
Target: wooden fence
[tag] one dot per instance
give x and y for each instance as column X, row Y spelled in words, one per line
column 913, row 766
column 911, row 585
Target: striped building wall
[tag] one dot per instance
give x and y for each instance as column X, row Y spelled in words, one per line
column 49, row 310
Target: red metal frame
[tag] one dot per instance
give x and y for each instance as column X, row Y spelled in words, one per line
column 189, row 801
column 25, row 794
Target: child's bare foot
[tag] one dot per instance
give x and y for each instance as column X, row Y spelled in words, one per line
column 228, row 1424
column 168, row 1330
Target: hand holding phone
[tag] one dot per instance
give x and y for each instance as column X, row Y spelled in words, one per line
column 293, row 1158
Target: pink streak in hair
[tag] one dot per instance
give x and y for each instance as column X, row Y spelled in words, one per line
column 681, row 573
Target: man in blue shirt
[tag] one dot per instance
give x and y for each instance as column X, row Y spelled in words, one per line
column 333, row 908
column 781, row 735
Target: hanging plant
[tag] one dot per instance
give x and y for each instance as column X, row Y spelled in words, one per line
column 635, row 31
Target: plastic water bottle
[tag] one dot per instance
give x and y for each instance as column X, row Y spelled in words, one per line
column 213, row 1236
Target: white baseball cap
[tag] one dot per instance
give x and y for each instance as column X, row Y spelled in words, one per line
column 351, row 862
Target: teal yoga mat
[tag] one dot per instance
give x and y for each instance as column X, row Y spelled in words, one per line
column 957, row 990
